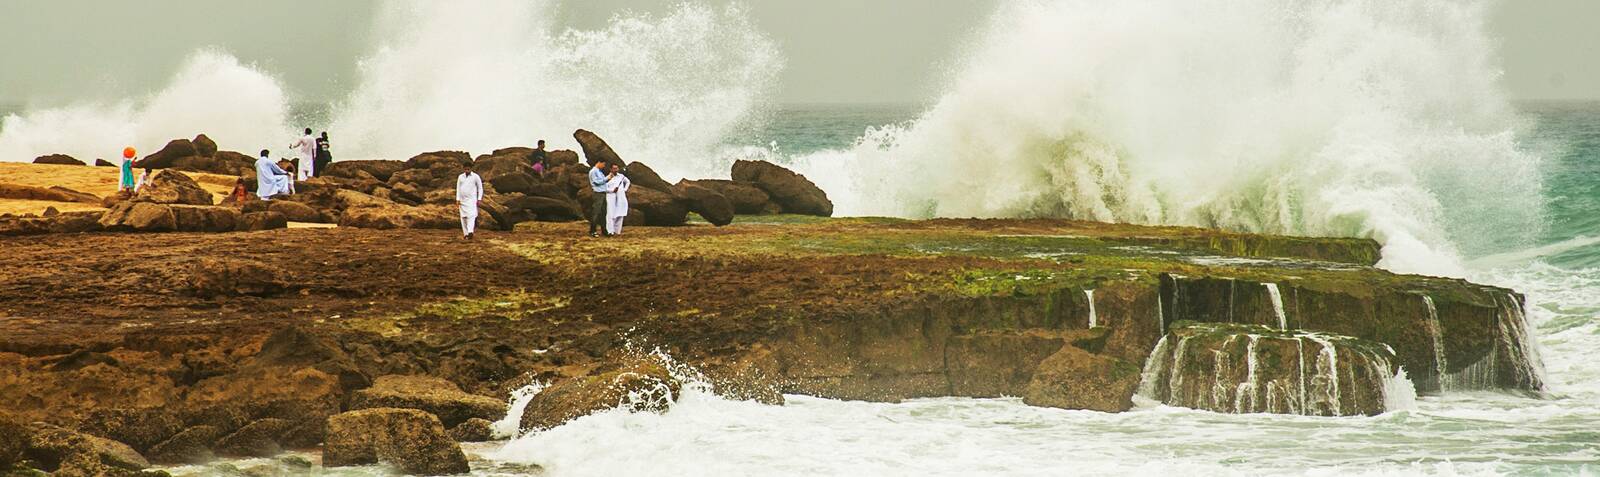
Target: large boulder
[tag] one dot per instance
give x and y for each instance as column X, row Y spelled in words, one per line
column 422, row 179
column 595, row 149
column 190, row 446
column 412, row 441
column 637, row 385
column 452, row 160
column 139, row 217
column 503, row 162
column 59, row 159
column 793, row 192
column 162, row 159
column 227, row 276
column 561, row 157
column 708, row 203
column 295, row 211
column 746, row 197
column 14, row 438
column 402, row 217
column 379, row 169
column 1076, row 379
column 204, row 218
column 546, row 209
column 437, row 396
column 103, row 163
column 173, row 187
column 256, row 221
column 659, row 208
column 67, row 452
column 75, row 196
column 204, row 146
column 643, row 175
column 473, row 430
column 520, row 182
column 260, row 438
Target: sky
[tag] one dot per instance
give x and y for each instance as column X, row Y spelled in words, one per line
column 837, row 51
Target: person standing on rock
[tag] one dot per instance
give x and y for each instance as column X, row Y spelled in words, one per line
column 324, row 156
column 270, row 179
column 469, row 192
column 540, row 159
column 306, row 150
column 616, row 200
column 127, row 169
column 597, row 205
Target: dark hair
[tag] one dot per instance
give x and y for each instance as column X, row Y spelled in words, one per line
column 265, row 152
column 324, row 134
column 541, row 141
column 308, row 130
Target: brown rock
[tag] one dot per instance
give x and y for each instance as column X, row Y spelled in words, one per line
column 746, row 197
column 545, row 209
column 437, row 396
column 410, row 440
column 62, row 223
column 75, row 196
column 192, row 446
column 514, row 182
column 793, row 192
column 60, row 159
column 14, row 439
column 140, row 428
column 640, row 385
column 561, row 157
column 27, row 192
column 177, row 148
column 642, row 175
column 296, row 212
column 378, row 169
column 659, row 208
column 227, row 276
column 68, row 452
column 103, row 163
column 402, row 217
column 139, row 217
column 451, row 160
column 204, row 146
column 595, row 149
column 205, row 218
column 173, row 187
column 419, row 178
column 708, row 203
column 473, row 430
column 256, row 221
column 256, row 439
column 1076, row 379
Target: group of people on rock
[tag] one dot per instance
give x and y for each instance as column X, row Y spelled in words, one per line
column 312, row 156
column 128, row 183
column 609, row 207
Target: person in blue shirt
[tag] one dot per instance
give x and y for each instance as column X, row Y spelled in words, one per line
column 597, row 206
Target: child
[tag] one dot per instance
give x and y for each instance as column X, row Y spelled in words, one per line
column 239, row 194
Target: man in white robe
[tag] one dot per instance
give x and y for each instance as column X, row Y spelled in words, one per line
column 616, row 200
column 469, row 192
column 270, row 179
column 305, row 149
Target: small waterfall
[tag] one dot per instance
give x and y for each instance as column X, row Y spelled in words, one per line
column 1153, row 368
column 1441, row 369
column 1277, row 305
column 1253, row 368
column 1521, row 352
column 1093, row 320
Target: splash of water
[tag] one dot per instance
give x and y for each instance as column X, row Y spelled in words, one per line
column 665, row 90
column 235, row 104
column 1246, row 115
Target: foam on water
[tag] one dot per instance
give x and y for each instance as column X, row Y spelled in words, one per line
column 233, row 103
column 1350, row 118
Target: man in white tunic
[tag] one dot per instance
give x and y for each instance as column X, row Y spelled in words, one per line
column 270, row 179
column 616, row 200
column 469, row 191
column 306, row 149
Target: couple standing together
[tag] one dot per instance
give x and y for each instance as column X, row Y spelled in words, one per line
column 610, row 206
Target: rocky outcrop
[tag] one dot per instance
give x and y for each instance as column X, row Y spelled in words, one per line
column 410, row 440
column 436, row 396
column 595, row 149
column 296, row 212
column 473, row 430
column 151, row 217
column 66, row 452
column 173, row 187
column 1076, row 379
column 58, row 159
column 191, row 446
column 166, row 157
column 52, row 194
column 377, row 169
column 62, row 223
column 204, row 146
column 257, row 221
column 793, row 192
column 659, row 208
column 103, row 163
column 636, row 384
column 710, row 204
column 398, row 216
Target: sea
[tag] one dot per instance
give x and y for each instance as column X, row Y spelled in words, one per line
column 1249, row 115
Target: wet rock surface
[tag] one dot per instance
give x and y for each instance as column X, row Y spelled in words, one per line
column 436, row 396
column 410, row 440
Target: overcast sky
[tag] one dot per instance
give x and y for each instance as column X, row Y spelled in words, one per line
column 836, row 50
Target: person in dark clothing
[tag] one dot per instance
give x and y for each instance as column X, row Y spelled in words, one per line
column 324, row 155
column 540, row 159
column 597, row 207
